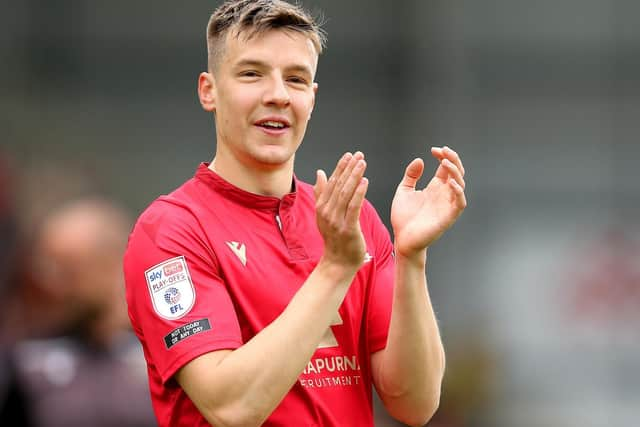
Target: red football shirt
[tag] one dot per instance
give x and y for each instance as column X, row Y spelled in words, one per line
column 210, row 265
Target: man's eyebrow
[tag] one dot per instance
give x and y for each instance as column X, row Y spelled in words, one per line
column 300, row 68
column 250, row 63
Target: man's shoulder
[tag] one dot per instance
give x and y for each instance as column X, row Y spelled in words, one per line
column 369, row 210
column 167, row 215
column 179, row 203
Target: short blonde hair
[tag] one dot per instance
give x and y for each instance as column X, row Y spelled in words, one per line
column 252, row 17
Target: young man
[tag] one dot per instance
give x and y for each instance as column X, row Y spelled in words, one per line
column 261, row 299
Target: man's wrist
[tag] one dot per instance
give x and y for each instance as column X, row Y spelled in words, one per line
column 415, row 259
column 336, row 271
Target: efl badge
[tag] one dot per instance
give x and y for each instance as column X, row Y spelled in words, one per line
column 171, row 288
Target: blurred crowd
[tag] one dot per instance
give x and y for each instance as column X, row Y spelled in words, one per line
column 68, row 357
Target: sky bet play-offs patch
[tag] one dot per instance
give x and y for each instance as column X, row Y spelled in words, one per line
column 171, row 288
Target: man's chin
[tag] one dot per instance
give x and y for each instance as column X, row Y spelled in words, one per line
column 274, row 159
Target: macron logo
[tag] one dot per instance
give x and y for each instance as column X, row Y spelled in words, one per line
column 240, row 250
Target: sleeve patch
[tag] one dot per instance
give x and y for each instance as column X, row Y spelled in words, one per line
column 190, row 329
column 171, row 289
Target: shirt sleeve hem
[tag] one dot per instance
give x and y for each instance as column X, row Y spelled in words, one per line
column 377, row 344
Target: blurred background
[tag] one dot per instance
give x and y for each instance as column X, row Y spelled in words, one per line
column 537, row 287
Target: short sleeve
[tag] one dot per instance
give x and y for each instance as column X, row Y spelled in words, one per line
column 381, row 287
column 178, row 304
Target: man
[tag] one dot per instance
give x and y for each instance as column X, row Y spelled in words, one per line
column 90, row 370
column 261, row 299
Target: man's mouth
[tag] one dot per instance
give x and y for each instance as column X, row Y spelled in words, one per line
column 272, row 125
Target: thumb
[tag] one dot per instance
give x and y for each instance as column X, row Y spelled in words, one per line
column 412, row 173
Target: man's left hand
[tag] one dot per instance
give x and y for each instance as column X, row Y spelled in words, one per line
column 419, row 217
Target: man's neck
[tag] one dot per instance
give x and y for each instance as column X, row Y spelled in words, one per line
column 275, row 182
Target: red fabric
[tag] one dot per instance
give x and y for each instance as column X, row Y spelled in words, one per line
column 203, row 221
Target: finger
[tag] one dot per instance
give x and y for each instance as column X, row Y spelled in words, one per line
column 355, row 205
column 437, row 153
column 337, row 172
column 442, row 172
column 346, row 172
column 413, row 173
column 461, row 199
column 337, row 193
column 454, row 157
column 346, row 192
column 441, row 153
column 320, row 186
column 453, row 171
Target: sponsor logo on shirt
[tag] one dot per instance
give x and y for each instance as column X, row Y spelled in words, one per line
column 171, row 289
column 240, row 250
column 329, row 339
column 331, row 371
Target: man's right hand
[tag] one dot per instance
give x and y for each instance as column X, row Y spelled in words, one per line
column 338, row 203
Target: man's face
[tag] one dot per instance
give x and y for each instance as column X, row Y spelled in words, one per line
column 262, row 93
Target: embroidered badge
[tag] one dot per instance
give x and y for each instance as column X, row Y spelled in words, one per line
column 171, row 288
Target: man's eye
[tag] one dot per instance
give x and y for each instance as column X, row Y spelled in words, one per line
column 297, row 80
column 249, row 73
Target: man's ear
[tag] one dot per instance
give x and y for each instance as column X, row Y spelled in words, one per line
column 206, row 91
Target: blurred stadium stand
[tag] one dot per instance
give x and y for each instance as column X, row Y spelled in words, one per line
column 541, row 98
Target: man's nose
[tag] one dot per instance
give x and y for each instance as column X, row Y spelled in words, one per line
column 277, row 92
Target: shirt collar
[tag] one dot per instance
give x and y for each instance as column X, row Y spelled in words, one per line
column 216, row 183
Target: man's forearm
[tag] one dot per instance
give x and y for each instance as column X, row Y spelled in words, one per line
column 249, row 383
column 410, row 368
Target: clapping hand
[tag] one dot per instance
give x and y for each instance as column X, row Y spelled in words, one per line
column 420, row 216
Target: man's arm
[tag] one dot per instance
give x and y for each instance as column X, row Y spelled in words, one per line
column 408, row 372
column 242, row 387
